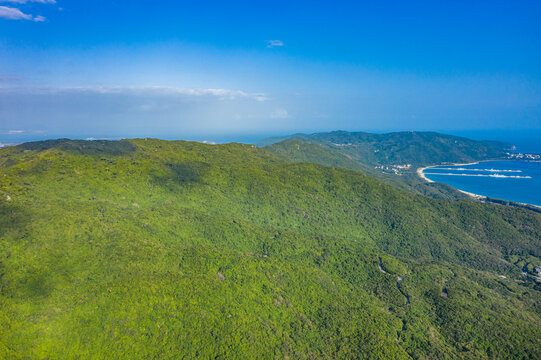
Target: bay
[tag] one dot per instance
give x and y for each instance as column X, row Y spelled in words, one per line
column 518, row 181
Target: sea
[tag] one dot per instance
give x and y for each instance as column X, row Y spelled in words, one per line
column 518, row 181
column 513, row 180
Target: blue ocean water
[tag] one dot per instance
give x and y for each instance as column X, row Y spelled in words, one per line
column 518, row 181
column 526, row 141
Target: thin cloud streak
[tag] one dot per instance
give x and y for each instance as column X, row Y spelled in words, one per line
column 274, row 43
column 9, row 79
column 280, row 114
column 30, row 1
column 225, row 94
column 9, row 13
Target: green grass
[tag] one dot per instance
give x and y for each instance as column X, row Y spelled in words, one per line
column 112, row 249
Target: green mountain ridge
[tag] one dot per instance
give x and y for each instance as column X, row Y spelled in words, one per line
column 297, row 150
column 401, row 148
column 393, row 158
column 170, row 249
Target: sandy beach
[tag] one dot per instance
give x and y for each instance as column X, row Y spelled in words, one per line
column 475, row 196
column 420, row 173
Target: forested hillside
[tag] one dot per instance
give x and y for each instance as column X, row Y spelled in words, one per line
column 401, row 148
column 302, row 150
column 154, row 249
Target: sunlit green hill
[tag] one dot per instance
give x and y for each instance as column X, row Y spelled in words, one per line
column 393, row 158
column 154, row 249
column 402, row 148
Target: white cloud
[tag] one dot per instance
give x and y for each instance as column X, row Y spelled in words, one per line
column 274, row 43
column 13, row 132
column 224, row 94
column 27, row 1
column 13, row 14
column 280, row 114
column 16, row 14
column 103, row 138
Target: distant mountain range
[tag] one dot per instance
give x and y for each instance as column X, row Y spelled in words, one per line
column 393, row 157
column 171, row 249
column 402, row 148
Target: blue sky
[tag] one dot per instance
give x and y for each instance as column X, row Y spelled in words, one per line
column 183, row 69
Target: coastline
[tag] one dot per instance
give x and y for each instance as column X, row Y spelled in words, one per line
column 535, row 206
column 420, row 173
column 475, row 196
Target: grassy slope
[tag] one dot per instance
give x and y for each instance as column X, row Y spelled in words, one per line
column 112, row 249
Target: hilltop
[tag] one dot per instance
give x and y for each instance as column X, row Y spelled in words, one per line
column 402, row 148
column 147, row 248
column 393, row 157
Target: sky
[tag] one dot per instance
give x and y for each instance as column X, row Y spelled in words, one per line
column 211, row 69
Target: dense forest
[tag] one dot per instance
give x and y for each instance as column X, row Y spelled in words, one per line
column 171, row 249
column 400, row 148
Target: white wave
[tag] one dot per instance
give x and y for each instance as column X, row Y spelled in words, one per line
column 467, row 169
column 483, row 175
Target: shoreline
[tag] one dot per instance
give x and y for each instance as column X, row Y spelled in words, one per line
column 420, row 173
column 475, row 196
